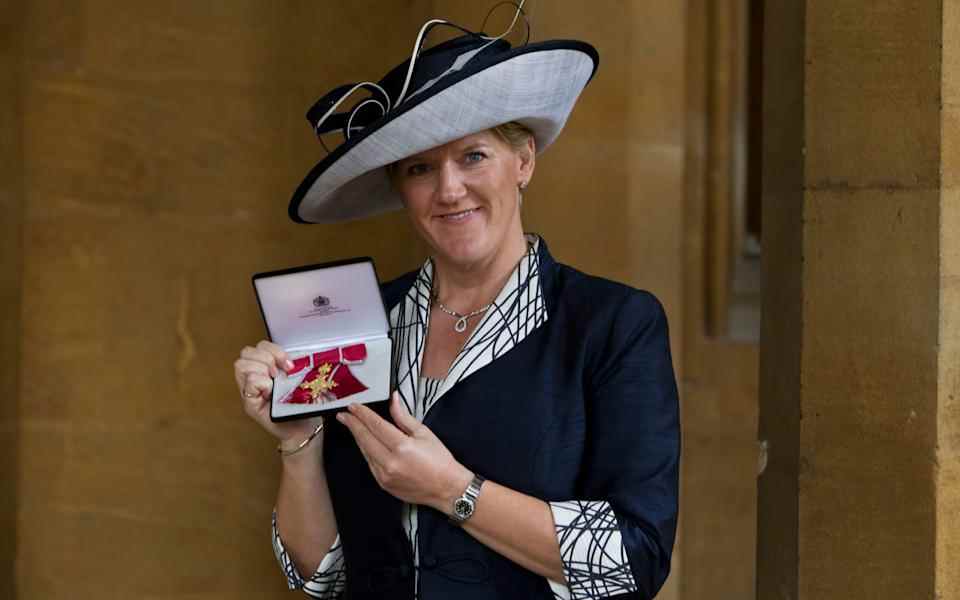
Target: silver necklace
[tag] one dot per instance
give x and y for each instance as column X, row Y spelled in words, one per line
column 461, row 323
column 461, row 320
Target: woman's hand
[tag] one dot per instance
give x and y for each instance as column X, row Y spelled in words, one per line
column 409, row 462
column 254, row 372
column 413, row 465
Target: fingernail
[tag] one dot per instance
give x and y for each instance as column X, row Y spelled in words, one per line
column 340, row 417
column 288, row 364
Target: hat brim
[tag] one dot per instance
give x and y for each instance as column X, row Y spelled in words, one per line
column 536, row 85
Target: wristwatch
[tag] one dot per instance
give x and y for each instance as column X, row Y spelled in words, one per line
column 466, row 504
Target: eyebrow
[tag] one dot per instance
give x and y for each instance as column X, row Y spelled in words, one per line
column 476, row 146
column 420, row 157
column 409, row 159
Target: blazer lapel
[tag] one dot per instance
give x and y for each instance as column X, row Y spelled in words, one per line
column 408, row 324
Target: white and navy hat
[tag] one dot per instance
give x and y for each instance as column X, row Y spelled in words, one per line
column 464, row 85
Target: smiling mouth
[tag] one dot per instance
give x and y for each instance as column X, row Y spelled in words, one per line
column 457, row 216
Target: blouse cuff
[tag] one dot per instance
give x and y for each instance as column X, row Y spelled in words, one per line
column 594, row 559
column 330, row 579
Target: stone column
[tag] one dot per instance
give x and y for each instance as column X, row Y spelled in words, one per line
column 861, row 335
column 11, row 260
column 947, row 461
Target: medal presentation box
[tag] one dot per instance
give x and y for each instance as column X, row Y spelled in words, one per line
column 331, row 321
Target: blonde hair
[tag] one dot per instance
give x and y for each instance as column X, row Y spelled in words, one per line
column 515, row 134
column 512, row 133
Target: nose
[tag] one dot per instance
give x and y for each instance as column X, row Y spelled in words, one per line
column 450, row 187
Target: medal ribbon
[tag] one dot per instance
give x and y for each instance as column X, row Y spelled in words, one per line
column 330, row 378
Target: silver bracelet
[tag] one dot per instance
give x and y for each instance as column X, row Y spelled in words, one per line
column 302, row 444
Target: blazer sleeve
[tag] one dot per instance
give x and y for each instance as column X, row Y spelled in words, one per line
column 617, row 540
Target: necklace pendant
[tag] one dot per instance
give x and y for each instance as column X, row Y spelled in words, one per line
column 461, row 325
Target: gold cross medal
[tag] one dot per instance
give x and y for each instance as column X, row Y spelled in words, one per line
column 321, row 384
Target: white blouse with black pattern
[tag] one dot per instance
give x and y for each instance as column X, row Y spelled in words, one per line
column 591, row 549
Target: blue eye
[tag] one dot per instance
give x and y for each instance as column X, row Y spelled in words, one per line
column 474, row 157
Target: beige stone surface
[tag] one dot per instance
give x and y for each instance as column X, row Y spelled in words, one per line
column 948, row 426
column 616, row 175
column 950, row 164
column 877, row 492
column 783, row 296
column 869, row 399
column 161, row 146
column 719, row 377
column 951, row 52
column 948, row 414
column 720, row 468
column 950, row 120
column 872, row 94
column 11, row 260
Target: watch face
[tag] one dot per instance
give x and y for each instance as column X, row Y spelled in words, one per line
column 463, row 508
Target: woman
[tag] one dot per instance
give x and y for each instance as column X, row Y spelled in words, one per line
column 532, row 445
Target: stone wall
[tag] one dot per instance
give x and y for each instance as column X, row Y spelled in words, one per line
column 160, row 145
column 947, row 471
column 859, row 352
column 11, row 261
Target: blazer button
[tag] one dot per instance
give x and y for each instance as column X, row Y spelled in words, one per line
column 428, row 562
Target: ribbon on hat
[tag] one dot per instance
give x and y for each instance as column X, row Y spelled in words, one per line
column 330, row 377
column 323, row 118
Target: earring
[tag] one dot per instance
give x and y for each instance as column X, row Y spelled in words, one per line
column 522, row 185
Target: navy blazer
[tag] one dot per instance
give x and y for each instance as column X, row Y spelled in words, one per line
column 585, row 407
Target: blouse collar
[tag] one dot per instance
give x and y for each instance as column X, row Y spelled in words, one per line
column 518, row 310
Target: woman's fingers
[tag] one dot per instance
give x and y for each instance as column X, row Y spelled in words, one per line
column 244, row 368
column 260, row 356
column 277, row 355
column 383, row 430
column 410, row 463
column 255, row 390
column 402, row 416
column 268, row 355
column 266, row 358
column 246, row 365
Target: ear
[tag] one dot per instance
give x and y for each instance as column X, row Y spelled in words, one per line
column 528, row 160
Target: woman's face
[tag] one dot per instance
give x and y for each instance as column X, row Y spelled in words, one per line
column 462, row 197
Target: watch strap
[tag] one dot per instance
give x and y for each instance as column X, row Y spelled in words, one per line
column 469, row 496
column 473, row 490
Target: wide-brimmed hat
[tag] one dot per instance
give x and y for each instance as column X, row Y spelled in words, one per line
column 464, row 85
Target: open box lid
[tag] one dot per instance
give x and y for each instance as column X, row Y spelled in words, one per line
column 317, row 304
